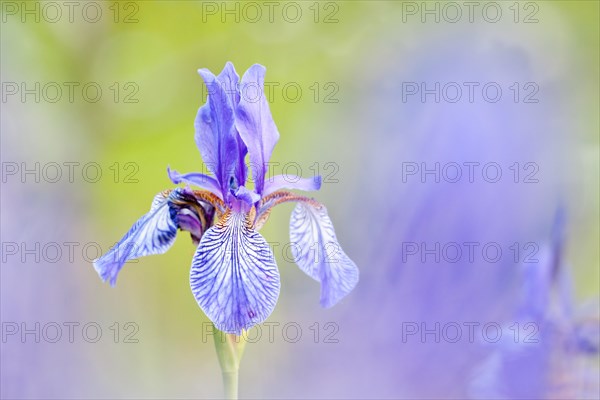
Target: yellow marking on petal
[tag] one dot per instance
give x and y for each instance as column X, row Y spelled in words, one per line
column 262, row 219
column 223, row 218
column 212, row 199
column 282, row 196
column 250, row 218
column 278, row 197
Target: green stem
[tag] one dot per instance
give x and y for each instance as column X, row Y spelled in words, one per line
column 230, row 384
column 230, row 349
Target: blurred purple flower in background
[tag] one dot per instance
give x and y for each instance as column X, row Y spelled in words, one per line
column 234, row 276
column 421, row 313
column 540, row 352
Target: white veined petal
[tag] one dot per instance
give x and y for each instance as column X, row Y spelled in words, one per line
column 318, row 253
column 153, row 233
column 234, row 277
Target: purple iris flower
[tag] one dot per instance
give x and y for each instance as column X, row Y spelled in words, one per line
column 234, row 276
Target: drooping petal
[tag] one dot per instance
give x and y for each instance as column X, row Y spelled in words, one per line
column 153, row 233
column 317, row 252
column 290, row 182
column 255, row 123
column 197, row 179
column 216, row 137
column 234, row 277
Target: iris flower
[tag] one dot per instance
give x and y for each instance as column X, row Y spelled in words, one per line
column 234, row 276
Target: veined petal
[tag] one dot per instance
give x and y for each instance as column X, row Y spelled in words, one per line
column 216, row 137
column 234, row 277
column 197, row 179
column 255, row 124
column 291, row 182
column 317, row 252
column 154, row 233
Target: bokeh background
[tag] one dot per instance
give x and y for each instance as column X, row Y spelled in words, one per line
column 351, row 118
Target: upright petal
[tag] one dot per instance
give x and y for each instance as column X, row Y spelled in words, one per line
column 234, row 277
column 216, row 137
column 230, row 81
column 153, row 233
column 317, row 252
column 255, row 123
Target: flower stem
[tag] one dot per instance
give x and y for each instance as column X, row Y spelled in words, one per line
column 230, row 349
column 230, row 384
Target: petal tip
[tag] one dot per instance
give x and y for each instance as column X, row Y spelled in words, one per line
column 105, row 271
column 318, row 180
column 173, row 175
column 229, row 67
column 259, row 67
column 207, row 76
column 329, row 297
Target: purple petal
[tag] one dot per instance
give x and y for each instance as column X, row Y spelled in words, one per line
column 249, row 196
column 537, row 283
column 234, row 277
column 188, row 221
column 197, row 179
column 154, row 233
column 506, row 372
column 216, row 137
column 317, row 252
column 291, row 182
column 229, row 80
column 255, row 123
